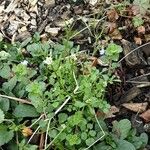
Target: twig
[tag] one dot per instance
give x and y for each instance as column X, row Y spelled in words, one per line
column 46, row 137
column 77, row 86
column 64, row 103
column 36, row 121
column 41, row 142
column 41, row 145
column 16, row 99
column 133, row 51
column 147, row 74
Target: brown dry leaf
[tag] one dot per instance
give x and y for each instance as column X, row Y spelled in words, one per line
column 138, row 40
column 26, row 131
column 116, row 35
column 112, row 15
column 110, row 27
column 110, row 114
column 141, row 30
column 136, row 107
column 52, row 31
column 146, row 115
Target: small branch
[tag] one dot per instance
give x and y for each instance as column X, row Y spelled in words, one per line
column 133, row 51
column 77, row 86
column 41, row 145
column 64, row 103
column 16, row 99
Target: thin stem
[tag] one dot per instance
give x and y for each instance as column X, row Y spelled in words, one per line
column 16, row 99
column 133, row 51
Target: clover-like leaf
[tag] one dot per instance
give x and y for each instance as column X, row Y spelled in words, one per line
column 122, row 128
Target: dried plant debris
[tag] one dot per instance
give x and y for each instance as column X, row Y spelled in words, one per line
column 29, row 16
column 136, row 107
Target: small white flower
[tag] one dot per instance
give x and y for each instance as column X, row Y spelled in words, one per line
column 25, row 62
column 102, row 51
column 48, row 60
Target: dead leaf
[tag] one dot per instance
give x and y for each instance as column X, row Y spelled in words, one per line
column 26, row 131
column 52, row 31
column 138, row 40
column 49, row 3
column 112, row 15
column 116, row 35
column 146, row 115
column 112, row 111
column 136, row 107
column 11, row 6
column 110, row 27
column 141, row 30
column 33, row 2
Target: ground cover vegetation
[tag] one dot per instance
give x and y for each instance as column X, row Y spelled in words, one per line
column 56, row 93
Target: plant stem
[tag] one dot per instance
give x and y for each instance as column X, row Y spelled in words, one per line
column 16, row 99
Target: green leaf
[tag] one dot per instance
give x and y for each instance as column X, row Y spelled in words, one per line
column 72, row 139
column 37, row 101
column 75, row 119
column 125, row 145
column 89, row 141
column 122, row 128
column 36, row 87
column 4, row 104
column 9, row 86
column 53, row 133
column 92, row 133
column 137, row 21
column 4, row 55
column 144, row 5
column 5, row 72
column 5, row 135
column 102, row 146
column 84, row 135
column 62, row 117
column 24, row 110
column 2, row 116
column 144, row 138
column 79, row 104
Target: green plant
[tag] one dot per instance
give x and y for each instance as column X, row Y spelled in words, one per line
column 122, row 136
column 137, row 21
column 59, row 82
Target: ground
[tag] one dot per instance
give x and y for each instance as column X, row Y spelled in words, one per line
column 93, row 25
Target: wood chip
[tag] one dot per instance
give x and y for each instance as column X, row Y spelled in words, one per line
column 52, row 31
column 136, row 107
